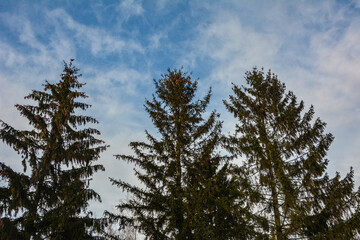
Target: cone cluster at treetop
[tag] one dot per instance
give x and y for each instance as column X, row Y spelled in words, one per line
column 191, row 187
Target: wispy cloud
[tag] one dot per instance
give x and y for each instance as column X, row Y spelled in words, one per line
column 235, row 46
column 100, row 42
column 128, row 8
column 338, row 63
column 313, row 48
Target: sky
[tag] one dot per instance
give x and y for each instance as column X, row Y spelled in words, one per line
column 121, row 46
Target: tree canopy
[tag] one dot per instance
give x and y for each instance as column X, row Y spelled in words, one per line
column 190, row 187
column 50, row 200
column 283, row 169
column 187, row 191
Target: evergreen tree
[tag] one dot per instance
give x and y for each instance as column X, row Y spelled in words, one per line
column 50, row 200
column 187, row 191
column 283, row 171
column 335, row 213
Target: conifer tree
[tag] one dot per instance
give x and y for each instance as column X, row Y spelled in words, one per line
column 283, row 170
column 50, row 200
column 187, row 191
column 335, row 213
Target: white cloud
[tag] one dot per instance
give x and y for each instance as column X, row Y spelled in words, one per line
column 120, row 91
column 356, row 3
column 100, row 41
column 314, row 50
column 155, row 40
column 337, row 65
column 9, row 56
column 233, row 47
column 128, row 8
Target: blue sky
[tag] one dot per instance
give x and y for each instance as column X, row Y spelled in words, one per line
column 121, row 46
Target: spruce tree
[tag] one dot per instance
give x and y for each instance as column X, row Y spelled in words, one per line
column 187, row 191
column 283, row 168
column 49, row 200
column 335, row 211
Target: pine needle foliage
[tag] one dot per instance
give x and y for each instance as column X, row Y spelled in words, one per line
column 187, row 191
column 49, row 199
column 283, row 172
column 335, row 213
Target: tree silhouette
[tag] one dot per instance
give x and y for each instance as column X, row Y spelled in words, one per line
column 187, row 191
column 50, row 200
column 283, row 171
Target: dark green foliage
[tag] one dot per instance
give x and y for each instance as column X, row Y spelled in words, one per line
column 283, row 171
column 50, row 200
column 336, row 212
column 187, row 191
